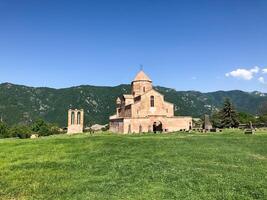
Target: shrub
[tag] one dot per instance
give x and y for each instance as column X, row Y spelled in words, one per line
column 21, row 131
column 44, row 129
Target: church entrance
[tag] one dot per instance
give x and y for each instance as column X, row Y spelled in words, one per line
column 157, row 127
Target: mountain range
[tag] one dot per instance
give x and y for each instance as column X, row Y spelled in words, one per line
column 21, row 104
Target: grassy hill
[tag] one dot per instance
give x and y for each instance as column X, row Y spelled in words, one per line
column 166, row 166
column 22, row 104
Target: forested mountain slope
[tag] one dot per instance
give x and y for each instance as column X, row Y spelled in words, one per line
column 23, row 104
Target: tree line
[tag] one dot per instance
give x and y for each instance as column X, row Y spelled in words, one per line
column 228, row 117
column 39, row 127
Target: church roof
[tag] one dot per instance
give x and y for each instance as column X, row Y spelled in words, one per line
column 128, row 96
column 141, row 76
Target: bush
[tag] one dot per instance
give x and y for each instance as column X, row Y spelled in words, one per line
column 39, row 127
column 21, row 131
column 44, row 129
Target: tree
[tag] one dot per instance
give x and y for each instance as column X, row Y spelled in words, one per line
column 44, row 129
column 20, row 131
column 216, row 120
column 41, row 127
column 4, row 130
column 245, row 118
column 229, row 116
column 262, row 118
column 263, row 108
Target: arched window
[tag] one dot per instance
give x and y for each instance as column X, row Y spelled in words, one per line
column 144, row 89
column 152, row 101
column 78, row 118
column 72, row 117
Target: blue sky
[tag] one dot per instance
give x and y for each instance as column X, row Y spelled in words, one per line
column 186, row 45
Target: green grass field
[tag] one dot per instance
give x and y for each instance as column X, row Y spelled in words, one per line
column 166, row 166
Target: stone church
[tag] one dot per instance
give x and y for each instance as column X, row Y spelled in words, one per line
column 145, row 110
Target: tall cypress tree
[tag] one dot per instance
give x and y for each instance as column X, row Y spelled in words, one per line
column 229, row 116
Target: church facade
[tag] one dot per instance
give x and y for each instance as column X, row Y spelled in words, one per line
column 145, row 110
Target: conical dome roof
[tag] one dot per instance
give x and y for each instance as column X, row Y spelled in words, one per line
column 141, row 76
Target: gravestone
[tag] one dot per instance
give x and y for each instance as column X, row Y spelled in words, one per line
column 250, row 130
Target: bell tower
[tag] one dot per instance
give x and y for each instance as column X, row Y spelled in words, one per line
column 75, row 121
column 141, row 84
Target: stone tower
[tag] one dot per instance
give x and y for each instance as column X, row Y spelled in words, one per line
column 141, row 84
column 75, row 121
column 207, row 123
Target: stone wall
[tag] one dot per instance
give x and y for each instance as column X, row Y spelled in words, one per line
column 144, row 125
column 144, row 109
column 140, row 87
column 116, row 125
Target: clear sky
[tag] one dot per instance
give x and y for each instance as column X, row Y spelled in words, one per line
column 185, row 45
